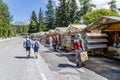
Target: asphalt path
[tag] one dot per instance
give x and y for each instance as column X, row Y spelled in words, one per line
column 63, row 66
column 15, row 66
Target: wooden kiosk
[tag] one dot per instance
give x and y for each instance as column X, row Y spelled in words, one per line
column 59, row 31
column 70, row 33
column 109, row 25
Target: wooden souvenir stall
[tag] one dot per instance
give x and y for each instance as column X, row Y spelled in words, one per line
column 70, row 33
column 50, row 33
column 59, row 32
column 43, row 37
column 33, row 36
column 109, row 25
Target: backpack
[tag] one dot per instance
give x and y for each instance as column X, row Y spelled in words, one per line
column 28, row 43
column 36, row 44
column 54, row 39
column 77, row 45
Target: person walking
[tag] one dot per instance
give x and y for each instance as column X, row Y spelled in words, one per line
column 55, row 42
column 27, row 46
column 76, row 45
column 78, row 48
column 50, row 42
column 36, row 46
column 82, row 48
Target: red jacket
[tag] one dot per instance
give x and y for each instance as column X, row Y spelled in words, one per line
column 54, row 39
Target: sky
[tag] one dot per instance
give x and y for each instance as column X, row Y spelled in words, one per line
column 22, row 9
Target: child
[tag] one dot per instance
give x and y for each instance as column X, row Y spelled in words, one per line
column 36, row 47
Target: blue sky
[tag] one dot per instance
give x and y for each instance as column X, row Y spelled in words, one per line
column 22, row 9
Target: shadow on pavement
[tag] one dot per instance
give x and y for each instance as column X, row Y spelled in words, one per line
column 66, row 65
column 24, row 57
column 47, row 51
column 70, row 57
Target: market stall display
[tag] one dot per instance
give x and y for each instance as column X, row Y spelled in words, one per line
column 59, row 31
column 96, row 41
column 70, row 32
column 111, row 26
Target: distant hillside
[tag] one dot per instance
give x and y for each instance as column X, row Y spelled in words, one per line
column 26, row 22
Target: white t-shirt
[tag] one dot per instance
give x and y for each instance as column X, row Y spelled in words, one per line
column 50, row 39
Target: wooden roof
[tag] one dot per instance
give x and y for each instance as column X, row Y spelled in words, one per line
column 105, row 23
column 75, row 27
column 60, row 30
column 51, row 31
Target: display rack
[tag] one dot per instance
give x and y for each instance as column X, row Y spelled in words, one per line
column 96, row 42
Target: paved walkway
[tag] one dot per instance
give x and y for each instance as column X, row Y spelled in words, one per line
column 63, row 69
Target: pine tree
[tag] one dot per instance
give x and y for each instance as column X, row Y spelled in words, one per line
column 50, row 15
column 33, row 23
column 62, row 13
column 112, row 4
column 41, row 26
column 72, row 12
column 86, row 6
column 5, row 18
column 57, row 17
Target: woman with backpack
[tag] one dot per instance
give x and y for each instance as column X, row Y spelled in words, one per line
column 76, row 45
column 78, row 48
column 36, row 47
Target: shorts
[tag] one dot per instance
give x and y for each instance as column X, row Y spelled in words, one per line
column 77, row 53
column 35, row 49
column 54, row 44
column 27, row 48
column 50, row 45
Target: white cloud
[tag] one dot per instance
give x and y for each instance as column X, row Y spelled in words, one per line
column 118, row 3
column 104, row 3
column 99, row 3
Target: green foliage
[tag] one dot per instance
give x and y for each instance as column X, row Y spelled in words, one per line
column 72, row 11
column 41, row 25
column 86, row 6
column 50, row 15
column 6, row 30
column 21, row 28
column 33, row 27
column 93, row 15
column 62, row 13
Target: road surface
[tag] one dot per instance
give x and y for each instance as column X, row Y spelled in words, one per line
column 15, row 66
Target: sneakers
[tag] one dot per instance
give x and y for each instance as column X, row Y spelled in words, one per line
column 35, row 57
column 28, row 56
column 77, row 64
